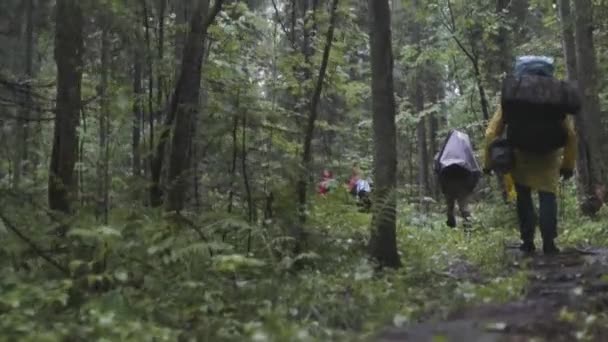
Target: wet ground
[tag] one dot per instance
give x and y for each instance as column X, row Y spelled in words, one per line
column 565, row 300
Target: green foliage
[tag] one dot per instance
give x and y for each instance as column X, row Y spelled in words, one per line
column 161, row 281
column 213, row 275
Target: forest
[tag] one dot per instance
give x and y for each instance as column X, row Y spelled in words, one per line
column 163, row 168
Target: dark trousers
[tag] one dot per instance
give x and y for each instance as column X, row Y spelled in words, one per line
column 527, row 216
column 365, row 202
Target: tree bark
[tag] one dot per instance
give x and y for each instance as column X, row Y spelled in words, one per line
column 137, row 112
column 383, row 242
column 569, row 49
column 309, row 133
column 435, row 93
column 590, row 141
column 418, row 101
column 160, row 82
column 185, row 103
column 235, row 150
column 182, row 9
column 246, row 185
column 104, row 116
column 68, row 57
column 23, row 123
column 150, row 69
column 500, row 62
column 423, row 157
column 483, row 99
column 568, row 43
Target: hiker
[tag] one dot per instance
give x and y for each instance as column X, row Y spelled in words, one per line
column 362, row 191
column 354, row 177
column 360, row 188
column 327, row 182
column 458, row 173
column 533, row 113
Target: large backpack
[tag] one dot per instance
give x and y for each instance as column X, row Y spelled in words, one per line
column 535, row 104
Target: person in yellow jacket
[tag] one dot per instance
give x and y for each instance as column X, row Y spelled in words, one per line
column 540, row 173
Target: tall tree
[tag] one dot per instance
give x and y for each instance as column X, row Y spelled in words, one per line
column 503, row 55
column 23, row 123
column 418, row 101
column 185, row 103
column 434, row 88
column 104, row 121
column 568, row 43
column 313, row 108
column 569, row 50
column 160, row 82
column 383, row 244
column 137, row 110
column 68, row 57
column 591, row 166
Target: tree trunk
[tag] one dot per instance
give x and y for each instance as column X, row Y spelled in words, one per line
column 102, row 163
column 155, row 190
column 137, row 112
column 23, row 123
column 423, row 157
column 235, row 150
column 592, row 173
column 569, row 49
column 160, row 83
column 182, row 9
column 501, row 60
column 312, row 118
column 185, row 103
column 68, row 56
column 410, row 155
column 568, row 43
column 418, row 101
column 483, row 99
column 245, row 172
column 383, row 243
column 435, row 90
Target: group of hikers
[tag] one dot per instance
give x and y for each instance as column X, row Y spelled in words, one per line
column 359, row 187
column 530, row 143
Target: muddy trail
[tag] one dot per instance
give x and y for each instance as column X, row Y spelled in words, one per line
column 563, row 301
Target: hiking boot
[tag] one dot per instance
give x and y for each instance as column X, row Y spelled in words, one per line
column 451, row 222
column 549, row 248
column 527, row 247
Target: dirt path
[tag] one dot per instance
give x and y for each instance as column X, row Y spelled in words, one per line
column 565, row 296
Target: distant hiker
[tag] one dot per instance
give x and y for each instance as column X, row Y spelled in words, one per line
column 363, row 190
column 360, row 188
column 534, row 112
column 327, row 183
column 354, row 177
column 458, row 173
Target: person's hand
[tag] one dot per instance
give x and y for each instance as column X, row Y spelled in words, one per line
column 566, row 173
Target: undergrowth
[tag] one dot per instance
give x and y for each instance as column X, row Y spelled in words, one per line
column 151, row 277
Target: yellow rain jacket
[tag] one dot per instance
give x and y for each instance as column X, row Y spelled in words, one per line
column 509, row 187
column 540, row 173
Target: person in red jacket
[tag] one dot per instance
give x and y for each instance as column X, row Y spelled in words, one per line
column 326, row 183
